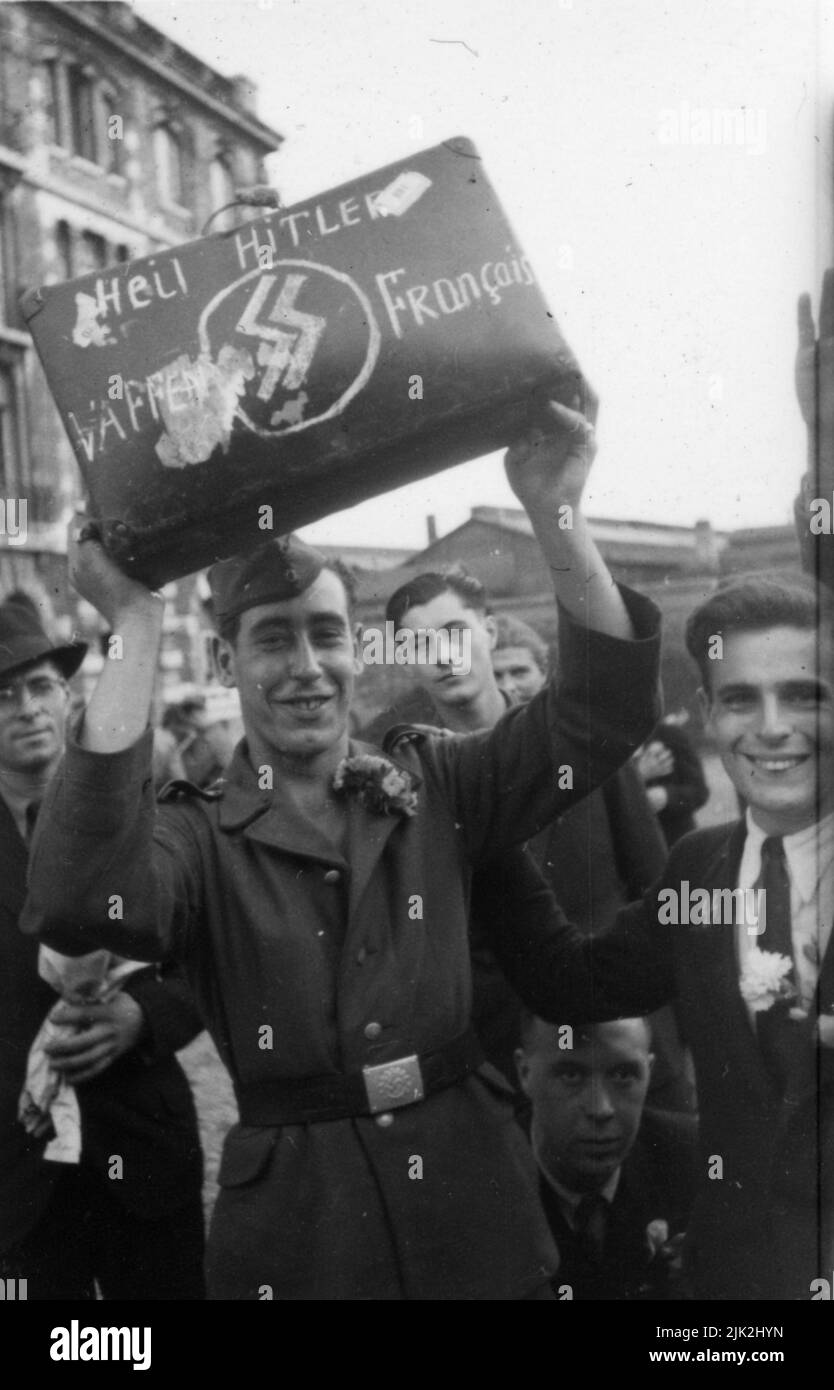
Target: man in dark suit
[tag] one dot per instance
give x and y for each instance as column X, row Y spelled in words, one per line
column 616, row 1181
column 756, row 1001
column 128, row 1215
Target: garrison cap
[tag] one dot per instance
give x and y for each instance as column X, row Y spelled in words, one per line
column 281, row 568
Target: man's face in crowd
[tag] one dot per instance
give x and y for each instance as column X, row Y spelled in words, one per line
column 32, row 728
column 517, row 673
column 587, row 1100
column 294, row 664
column 770, row 710
column 446, row 682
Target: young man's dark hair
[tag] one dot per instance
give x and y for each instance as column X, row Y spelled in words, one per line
column 425, row 587
column 514, row 632
column 753, row 603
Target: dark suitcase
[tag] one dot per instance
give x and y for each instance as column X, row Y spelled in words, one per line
column 300, row 363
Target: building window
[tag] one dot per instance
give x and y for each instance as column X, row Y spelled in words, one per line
column 170, row 165
column 221, row 192
column 5, row 276
column 63, row 248
column 9, row 459
column 82, row 130
column 92, row 253
column 113, row 134
column 51, row 101
column 82, row 114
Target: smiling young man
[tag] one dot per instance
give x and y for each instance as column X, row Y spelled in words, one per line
column 755, row 994
column 320, row 901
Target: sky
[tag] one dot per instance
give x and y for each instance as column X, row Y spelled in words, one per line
column 670, row 246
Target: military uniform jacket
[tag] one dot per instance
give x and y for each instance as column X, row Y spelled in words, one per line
column 306, row 962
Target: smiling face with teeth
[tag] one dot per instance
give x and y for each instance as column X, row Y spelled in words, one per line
column 770, row 710
column 294, row 663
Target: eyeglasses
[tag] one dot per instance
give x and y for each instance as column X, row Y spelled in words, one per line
column 39, row 688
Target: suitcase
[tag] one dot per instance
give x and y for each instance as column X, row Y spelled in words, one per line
column 260, row 378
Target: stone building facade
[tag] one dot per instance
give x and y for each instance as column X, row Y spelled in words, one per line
column 114, row 142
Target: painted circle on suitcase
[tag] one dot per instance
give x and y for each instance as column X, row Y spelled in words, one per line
column 301, row 338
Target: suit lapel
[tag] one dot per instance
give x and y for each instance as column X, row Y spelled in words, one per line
column 714, row 947
column 825, row 986
column 14, row 857
column 712, row 954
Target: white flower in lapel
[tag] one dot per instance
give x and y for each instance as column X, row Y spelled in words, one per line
column 764, row 979
column 657, row 1234
column 378, row 784
column 825, row 1029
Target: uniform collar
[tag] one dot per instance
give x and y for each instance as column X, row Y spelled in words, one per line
column 265, row 815
column 243, row 801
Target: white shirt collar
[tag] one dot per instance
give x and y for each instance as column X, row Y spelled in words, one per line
column 569, row 1199
column 809, row 853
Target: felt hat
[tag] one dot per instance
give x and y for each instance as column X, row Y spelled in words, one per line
column 23, row 642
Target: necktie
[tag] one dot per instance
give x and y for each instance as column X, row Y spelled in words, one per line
column 591, row 1229
column 776, row 1030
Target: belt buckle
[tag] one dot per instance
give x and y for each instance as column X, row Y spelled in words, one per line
column 392, row 1084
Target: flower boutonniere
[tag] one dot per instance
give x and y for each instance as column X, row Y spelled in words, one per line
column 379, row 785
column 825, row 1028
column 764, row 980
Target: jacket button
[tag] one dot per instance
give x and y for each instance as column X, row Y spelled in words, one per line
column 361, row 956
column 332, row 876
column 373, row 1031
column 385, row 1120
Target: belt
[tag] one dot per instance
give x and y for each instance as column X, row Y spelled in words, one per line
column 387, row 1086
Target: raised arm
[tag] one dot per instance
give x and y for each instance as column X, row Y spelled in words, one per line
column 504, row 784
column 123, row 884
column 120, row 706
column 815, row 392
column 547, row 471
column 560, row 973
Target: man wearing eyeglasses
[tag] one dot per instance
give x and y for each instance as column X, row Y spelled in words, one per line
column 135, row 1226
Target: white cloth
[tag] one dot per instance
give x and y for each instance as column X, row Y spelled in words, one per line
column 88, row 979
column 809, row 856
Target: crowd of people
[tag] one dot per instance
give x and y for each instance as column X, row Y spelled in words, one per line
column 498, row 1021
